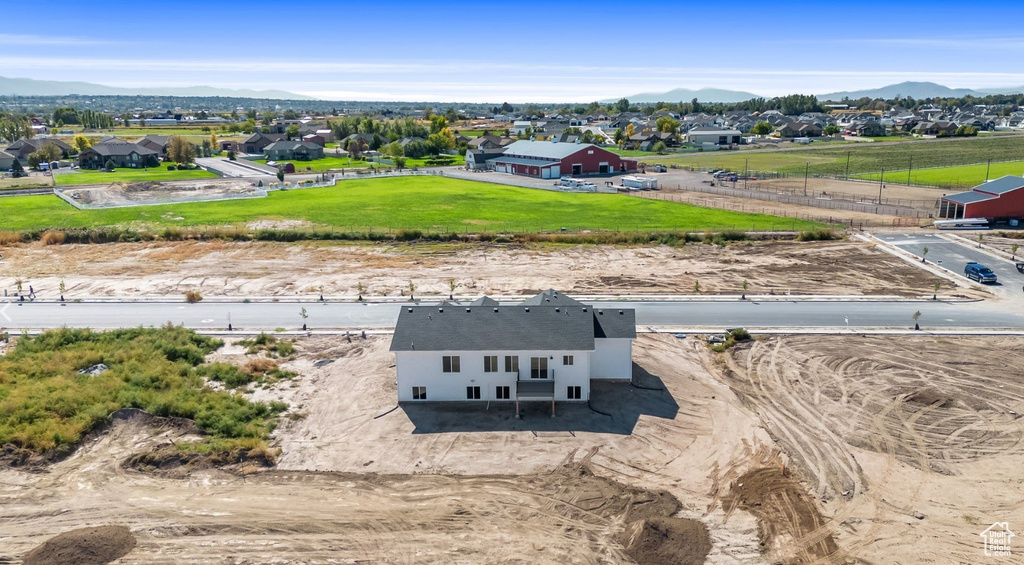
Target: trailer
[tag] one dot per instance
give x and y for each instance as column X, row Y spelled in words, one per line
column 640, row 183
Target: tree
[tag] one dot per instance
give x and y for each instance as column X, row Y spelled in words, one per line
column 81, row 143
column 761, row 128
column 17, row 170
column 109, row 166
column 831, row 129
column 231, row 155
column 393, row 149
column 622, row 105
column 207, row 149
column 280, row 173
column 354, row 147
column 292, row 131
column 50, row 152
column 399, row 162
column 916, row 316
column 180, row 150
column 667, row 124
column 630, row 131
column 660, row 148
column 305, row 315
column 1013, row 250
column 438, row 123
column 924, row 252
column 440, row 141
column 213, row 140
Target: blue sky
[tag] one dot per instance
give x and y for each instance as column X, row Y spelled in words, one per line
column 513, row 51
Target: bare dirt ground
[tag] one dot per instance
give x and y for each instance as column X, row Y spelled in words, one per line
column 306, row 270
column 789, row 449
column 912, row 445
column 147, row 192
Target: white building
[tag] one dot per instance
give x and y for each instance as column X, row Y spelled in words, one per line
column 547, row 348
column 714, row 135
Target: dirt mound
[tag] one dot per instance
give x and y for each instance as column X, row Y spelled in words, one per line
column 789, row 523
column 84, row 546
column 170, row 460
column 678, row 541
column 929, row 397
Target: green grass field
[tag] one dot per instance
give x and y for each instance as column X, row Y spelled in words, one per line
column 129, row 175
column 866, row 158
column 966, row 176
column 424, row 203
column 634, row 152
column 333, row 162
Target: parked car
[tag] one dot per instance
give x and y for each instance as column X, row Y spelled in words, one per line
column 978, row 272
column 1020, row 267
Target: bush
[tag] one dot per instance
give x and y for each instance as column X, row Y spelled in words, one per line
column 193, row 296
column 821, row 234
column 285, row 348
column 171, row 167
column 51, row 237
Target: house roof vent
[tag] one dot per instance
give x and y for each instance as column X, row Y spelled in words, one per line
column 558, row 309
column 527, row 309
column 600, row 312
column 467, row 310
column 410, row 309
column 495, row 309
column 440, row 309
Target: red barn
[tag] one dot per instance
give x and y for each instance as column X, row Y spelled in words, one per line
column 1001, row 198
column 551, row 160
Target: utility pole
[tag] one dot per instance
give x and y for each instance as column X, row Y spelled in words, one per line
column 807, row 166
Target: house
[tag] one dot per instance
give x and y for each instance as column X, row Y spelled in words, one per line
column 24, row 147
column 800, row 129
column 293, row 151
column 157, row 143
column 934, row 128
column 477, row 159
column 314, row 139
column 327, row 134
column 228, row 145
column 256, row 142
column 548, row 347
column 869, row 128
column 6, row 161
column 121, row 152
column 1001, row 198
column 551, row 160
column 714, row 135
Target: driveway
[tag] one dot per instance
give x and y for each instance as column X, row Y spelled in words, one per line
column 237, row 169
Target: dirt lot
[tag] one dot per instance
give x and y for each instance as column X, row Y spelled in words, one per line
column 309, row 269
column 136, row 193
column 790, row 449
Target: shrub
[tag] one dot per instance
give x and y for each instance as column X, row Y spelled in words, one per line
column 171, row 167
column 193, row 296
column 285, row 348
column 821, row 234
column 9, row 237
column 52, row 237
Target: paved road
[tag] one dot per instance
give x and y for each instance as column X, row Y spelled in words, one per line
column 954, row 256
column 268, row 316
column 233, row 169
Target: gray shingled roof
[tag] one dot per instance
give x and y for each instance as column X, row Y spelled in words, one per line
column 549, row 321
column 120, row 147
column 1002, row 185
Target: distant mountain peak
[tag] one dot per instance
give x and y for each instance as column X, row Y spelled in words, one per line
column 32, row 87
column 686, row 94
column 914, row 89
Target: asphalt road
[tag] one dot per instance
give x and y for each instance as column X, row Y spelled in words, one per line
column 954, row 256
column 690, row 314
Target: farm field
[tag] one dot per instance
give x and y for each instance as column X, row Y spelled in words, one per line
column 332, row 162
column 129, row 175
column 965, row 176
column 433, row 203
column 864, row 158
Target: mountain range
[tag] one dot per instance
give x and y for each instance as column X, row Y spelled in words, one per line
column 916, row 90
column 685, row 95
column 32, row 87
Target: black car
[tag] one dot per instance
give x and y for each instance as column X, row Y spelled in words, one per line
column 1020, row 267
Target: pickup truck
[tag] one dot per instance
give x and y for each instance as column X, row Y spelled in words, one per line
column 978, row 272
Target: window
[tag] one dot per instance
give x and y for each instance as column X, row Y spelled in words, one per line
column 502, row 393
column 490, row 363
column 574, row 393
column 450, row 364
column 511, row 364
column 567, row 359
column 472, row 393
column 419, row 393
column 538, row 367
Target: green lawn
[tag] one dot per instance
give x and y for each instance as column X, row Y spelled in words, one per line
column 426, row 203
column 129, row 175
column 952, row 177
column 864, row 158
column 632, row 152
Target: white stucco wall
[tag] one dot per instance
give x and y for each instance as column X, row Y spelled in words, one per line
column 416, row 368
column 612, row 359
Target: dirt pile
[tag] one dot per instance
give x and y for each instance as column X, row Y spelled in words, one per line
column 678, row 541
column 789, row 524
column 84, row 546
column 171, row 460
